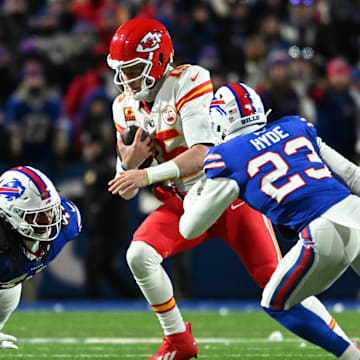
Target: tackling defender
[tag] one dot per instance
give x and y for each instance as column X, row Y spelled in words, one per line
column 172, row 104
column 35, row 224
column 285, row 171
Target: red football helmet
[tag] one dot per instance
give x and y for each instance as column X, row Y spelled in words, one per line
column 140, row 41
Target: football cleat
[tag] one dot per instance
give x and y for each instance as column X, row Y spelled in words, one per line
column 180, row 346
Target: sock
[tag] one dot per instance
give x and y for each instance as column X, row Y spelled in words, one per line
column 310, row 327
column 313, row 304
column 145, row 264
column 170, row 317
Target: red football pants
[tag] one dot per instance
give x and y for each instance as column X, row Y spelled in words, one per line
column 245, row 230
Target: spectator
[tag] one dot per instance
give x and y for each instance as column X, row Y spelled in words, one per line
column 343, row 24
column 15, row 21
column 278, row 93
column 7, row 74
column 93, row 10
column 33, row 112
column 255, row 61
column 336, row 109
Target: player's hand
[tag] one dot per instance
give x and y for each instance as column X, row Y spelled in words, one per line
column 135, row 154
column 127, row 182
column 7, row 342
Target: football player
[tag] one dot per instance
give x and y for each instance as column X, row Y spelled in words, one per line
column 172, row 104
column 289, row 174
column 35, row 224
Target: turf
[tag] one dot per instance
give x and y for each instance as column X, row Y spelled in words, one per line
column 137, row 335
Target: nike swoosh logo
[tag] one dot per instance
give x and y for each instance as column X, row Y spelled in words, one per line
column 233, row 207
column 194, row 77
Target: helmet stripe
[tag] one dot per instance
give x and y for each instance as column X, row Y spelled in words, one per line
column 243, row 99
column 36, row 179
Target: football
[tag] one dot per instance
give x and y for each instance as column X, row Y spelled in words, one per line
column 128, row 136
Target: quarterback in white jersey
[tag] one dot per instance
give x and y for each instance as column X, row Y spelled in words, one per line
column 173, row 105
column 177, row 119
column 285, row 171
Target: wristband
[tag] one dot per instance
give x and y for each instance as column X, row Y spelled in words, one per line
column 123, row 166
column 166, row 171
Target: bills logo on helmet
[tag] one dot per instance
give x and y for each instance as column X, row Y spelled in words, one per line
column 150, row 42
column 215, row 105
column 12, row 190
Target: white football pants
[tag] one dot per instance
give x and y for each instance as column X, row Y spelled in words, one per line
column 324, row 251
column 9, row 300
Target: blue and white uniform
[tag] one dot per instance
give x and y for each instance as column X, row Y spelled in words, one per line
column 25, row 268
column 285, row 171
column 279, row 172
column 29, row 264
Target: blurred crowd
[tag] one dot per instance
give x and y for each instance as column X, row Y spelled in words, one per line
column 302, row 56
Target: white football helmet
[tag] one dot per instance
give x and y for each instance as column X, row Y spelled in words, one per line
column 30, row 203
column 234, row 107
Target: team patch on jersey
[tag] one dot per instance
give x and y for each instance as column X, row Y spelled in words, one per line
column 169, row 115
column 12, row 190
column 150, row 42
column 129, row 113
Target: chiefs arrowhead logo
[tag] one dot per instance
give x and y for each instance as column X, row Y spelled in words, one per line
column 150, row 42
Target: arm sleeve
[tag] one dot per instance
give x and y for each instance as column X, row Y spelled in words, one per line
column 204, row 204
column 342, row 167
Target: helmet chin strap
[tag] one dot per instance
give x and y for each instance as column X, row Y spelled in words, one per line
column 149, row 94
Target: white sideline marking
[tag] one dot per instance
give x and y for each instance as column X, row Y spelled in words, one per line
column 203, row 340
column 140, row 340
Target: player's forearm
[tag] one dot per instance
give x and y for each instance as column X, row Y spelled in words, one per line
column 191, row 161
column 342, row 167
column 203, row 206
column 187, row 163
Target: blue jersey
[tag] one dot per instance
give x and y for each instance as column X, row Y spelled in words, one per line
column 279, row 172
column 26, row 268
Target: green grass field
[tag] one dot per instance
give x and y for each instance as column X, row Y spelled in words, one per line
column 137, row 335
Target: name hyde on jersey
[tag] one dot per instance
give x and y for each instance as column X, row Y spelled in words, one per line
column 268, row 138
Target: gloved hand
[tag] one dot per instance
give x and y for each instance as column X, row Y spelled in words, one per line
column 7, row 342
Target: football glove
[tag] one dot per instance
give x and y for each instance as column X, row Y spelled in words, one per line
column 7, row 342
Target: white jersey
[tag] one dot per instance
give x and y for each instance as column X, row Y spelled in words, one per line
column 179, row 116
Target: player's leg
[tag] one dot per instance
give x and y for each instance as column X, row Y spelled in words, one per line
column 254, row 241
column 310, row 267
column 251, row 236
column 157, row 238
column 9, row 300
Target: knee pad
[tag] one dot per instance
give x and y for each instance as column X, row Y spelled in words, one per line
column 142, row 259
